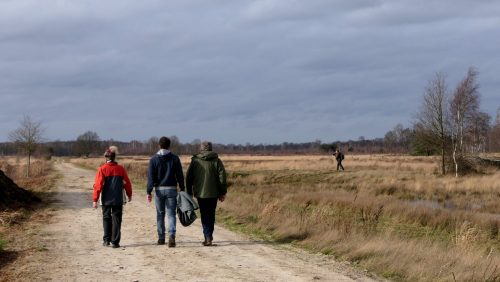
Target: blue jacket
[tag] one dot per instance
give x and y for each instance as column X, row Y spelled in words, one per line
column 165, row 170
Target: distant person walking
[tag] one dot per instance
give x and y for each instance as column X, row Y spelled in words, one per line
column 206, row 180
column 339, row 156
column 164, row 173
column 110, row 181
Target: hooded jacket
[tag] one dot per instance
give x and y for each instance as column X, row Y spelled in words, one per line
column 206, row 176
column 110, row 180
column 165, row 169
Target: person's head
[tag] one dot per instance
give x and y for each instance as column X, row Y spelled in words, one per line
column 206, row 146
column 110, row 153
column 164, row 143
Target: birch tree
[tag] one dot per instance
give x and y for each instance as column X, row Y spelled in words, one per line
column 27, row 137
column 432, row 117
column 464, row 106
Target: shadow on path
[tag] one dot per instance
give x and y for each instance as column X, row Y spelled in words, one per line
column 196, row 244
column 7, row 257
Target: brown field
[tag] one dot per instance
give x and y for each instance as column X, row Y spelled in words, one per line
column 394, row 215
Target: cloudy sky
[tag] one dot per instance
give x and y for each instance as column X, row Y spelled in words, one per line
column 265, row 71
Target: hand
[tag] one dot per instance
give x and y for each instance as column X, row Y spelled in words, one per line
column 149, row 198
column 222, row 198
column 130, row 199
column 94, row 205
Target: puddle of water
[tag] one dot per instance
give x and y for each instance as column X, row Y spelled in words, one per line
column 445, row 205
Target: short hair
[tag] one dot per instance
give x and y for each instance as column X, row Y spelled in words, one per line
column 111, row 152
column 164, row 142
column 206, row 146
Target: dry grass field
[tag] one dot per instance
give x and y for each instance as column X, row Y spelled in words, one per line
column 394, row 215
column 18, row 228
column 15, row 168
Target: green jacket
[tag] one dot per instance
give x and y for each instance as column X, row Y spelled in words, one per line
column 206, row 176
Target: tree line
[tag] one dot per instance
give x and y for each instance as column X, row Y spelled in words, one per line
column 448, row 123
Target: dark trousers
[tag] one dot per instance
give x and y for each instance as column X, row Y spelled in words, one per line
column 112, row 222
column 207, row 211
column 339, row 164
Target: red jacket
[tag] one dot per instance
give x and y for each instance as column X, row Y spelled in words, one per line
column 110, row 180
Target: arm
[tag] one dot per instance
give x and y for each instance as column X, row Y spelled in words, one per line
column 98, row 184
column 128, row 185
column 222, row 178
column 151, row 177
column 189, row 179
column 179, row 175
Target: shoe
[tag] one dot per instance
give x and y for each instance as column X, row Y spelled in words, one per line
column 161, row 242
column 207, row 242
column 115, row 246
column 106, row 243
column 171, row 241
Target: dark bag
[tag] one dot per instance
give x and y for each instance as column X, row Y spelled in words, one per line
column 341, row 156
column 186, row 218
column 185, row 208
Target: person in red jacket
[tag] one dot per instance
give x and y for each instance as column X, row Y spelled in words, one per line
column 110, row 181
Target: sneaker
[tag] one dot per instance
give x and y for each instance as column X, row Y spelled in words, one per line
column 171, row 241
column 106, row 243
column 115, row 246
column 161, row 242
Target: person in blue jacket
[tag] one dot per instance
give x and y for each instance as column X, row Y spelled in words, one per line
column 164, row 174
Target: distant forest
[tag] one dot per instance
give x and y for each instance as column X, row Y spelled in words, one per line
column 399, row 140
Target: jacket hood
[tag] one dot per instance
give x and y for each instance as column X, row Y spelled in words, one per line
column 164, row 154
column 207, row 156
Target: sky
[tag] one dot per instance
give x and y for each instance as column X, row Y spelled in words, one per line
column 263, row 71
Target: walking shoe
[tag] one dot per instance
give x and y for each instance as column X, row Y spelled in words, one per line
column 115, row 246
column 105, row 243
column 207, row 242
column 171, row 241
column 161, row 242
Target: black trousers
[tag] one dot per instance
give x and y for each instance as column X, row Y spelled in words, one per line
column 339, row 164
column 112, row 223
column 207, row 211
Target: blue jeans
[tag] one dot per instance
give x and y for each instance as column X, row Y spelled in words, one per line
column 165, row 200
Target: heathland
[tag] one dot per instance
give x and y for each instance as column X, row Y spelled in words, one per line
column 63, row 243
column 394, row 215
column 22, row 213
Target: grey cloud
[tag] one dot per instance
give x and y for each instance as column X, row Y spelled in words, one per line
column 257, row 71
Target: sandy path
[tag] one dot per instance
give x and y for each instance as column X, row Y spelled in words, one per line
column 74, row 251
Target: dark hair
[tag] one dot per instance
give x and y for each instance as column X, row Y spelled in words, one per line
column 164, row 142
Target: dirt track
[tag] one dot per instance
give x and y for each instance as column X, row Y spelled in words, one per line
column 74, row 252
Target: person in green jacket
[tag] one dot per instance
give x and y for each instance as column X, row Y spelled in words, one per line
column 206, row 180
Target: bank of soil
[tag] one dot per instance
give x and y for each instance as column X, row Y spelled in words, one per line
column 13, row 197
column 71, row 250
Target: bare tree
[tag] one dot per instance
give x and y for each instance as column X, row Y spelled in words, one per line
column 152, row 144
column 175, row 144
column 464, row 107
column 27, row 137
column 477, row 132
column 432, row 117
column 498, row 116
column 87, row 143
column 494, row 135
